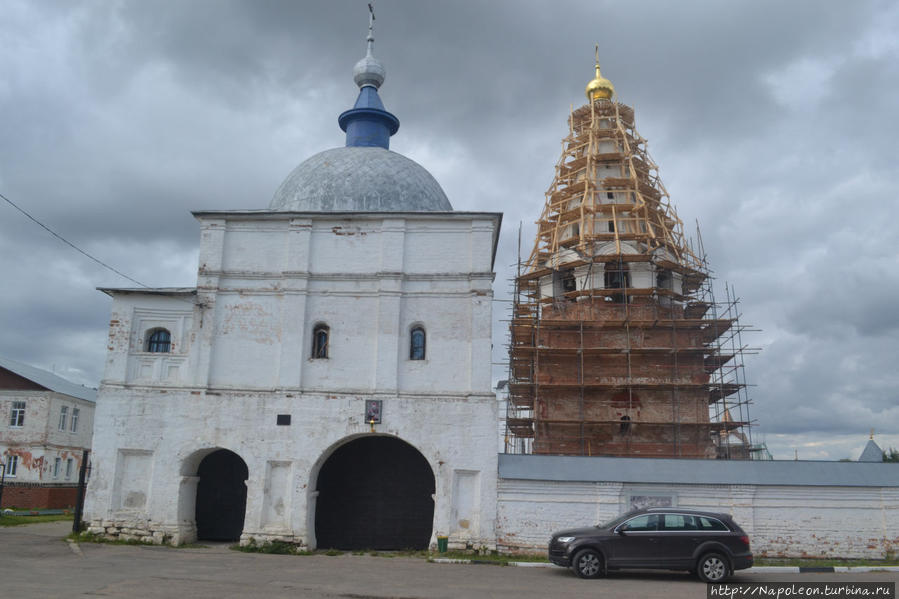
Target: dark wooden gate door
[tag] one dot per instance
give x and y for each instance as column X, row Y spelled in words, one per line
column 221, row 496
column 375, row 493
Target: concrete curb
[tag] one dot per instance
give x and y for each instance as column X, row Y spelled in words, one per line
column 825, row 569
column 763, row 569
column 866, row 569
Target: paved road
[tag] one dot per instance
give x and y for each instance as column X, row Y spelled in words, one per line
column 36, row 563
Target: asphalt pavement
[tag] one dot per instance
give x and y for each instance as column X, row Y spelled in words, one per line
column 36, row 562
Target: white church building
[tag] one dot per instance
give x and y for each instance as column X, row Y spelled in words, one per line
column 327, row 381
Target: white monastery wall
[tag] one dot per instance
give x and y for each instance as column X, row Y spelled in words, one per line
column 823, row 513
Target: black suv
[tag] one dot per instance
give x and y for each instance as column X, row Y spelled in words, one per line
column 707, row 543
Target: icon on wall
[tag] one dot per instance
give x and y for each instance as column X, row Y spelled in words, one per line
column 373, row 411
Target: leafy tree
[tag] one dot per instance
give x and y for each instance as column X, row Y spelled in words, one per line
column 891, row 455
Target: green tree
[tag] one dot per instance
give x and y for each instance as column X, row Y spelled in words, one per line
column 891, row 455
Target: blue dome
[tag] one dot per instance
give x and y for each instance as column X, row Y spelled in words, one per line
column 360, row 179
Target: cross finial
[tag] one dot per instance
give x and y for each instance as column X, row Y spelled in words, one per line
column 596, row 52
column 872, row 434
column 371, row 28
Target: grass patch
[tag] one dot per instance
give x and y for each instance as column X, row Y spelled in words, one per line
column 89, row 537
column 18, row 520
column 271, row 547
column 492, row 557
column 404, row 553
column 822, row 562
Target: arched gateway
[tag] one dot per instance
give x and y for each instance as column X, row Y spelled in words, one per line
column 375, row 493
column 221, row 496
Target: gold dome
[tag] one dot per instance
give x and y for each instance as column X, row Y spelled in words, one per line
column 599, row 87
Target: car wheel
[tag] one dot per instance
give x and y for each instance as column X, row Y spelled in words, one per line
column 588, row 564
column 712, row 567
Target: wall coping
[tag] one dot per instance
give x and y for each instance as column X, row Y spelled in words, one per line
column 697, row 471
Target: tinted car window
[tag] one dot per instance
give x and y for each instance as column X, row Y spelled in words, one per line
column 679, row 522
column 645, row 522
column 710, row 524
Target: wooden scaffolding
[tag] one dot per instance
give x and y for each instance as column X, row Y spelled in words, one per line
column 617, row 346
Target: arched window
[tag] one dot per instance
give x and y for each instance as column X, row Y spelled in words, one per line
column 159, row 341
column 320, row 335
column 625, row 425
column 417, row 344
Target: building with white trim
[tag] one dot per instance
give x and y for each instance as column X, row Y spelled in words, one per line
column 46, row 426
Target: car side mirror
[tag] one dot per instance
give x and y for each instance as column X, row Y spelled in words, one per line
column 621, row 531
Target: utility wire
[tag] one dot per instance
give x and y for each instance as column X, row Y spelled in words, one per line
column 69, row 243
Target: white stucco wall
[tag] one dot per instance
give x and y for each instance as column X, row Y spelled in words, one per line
column 145, row 480
column 242, row 355
column 817, row 516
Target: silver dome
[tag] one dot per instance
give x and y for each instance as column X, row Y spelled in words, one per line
column 360, row 179
column 369, row 71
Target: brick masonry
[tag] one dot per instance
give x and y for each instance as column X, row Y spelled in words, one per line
column 37, row 496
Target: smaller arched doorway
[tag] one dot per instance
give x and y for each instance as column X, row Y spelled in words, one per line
column 221, row 496
column 376, row 492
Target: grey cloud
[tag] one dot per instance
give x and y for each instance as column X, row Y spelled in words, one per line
column 120, row 118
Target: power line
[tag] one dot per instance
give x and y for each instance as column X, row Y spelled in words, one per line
column 69, row 243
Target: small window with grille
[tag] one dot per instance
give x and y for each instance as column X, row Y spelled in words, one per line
column 159, row 341
column 417, row 344
column 320, row 337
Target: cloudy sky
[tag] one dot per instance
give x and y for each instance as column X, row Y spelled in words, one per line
column 774, row 125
